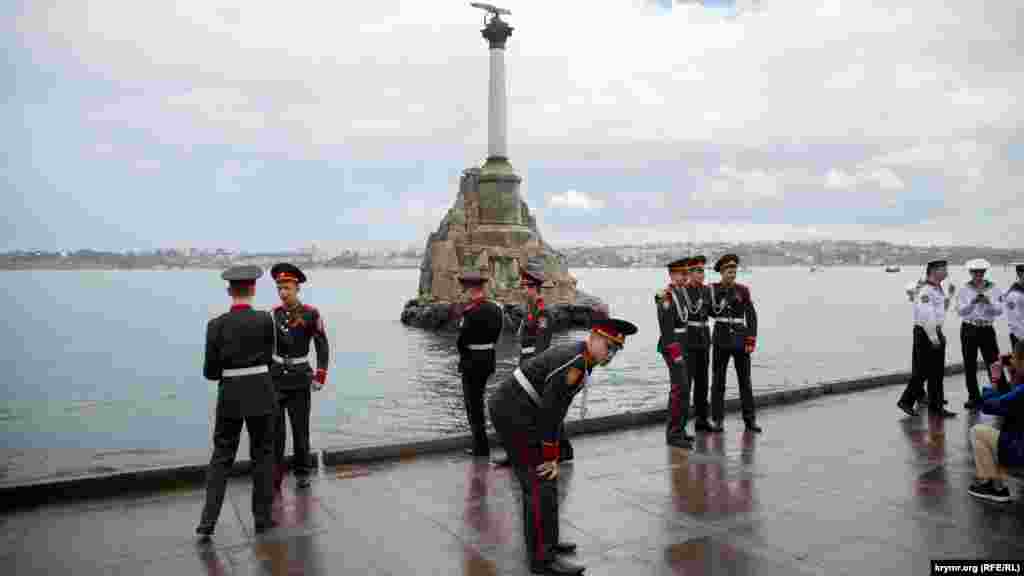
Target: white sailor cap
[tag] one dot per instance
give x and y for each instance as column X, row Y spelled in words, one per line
column 977, row 264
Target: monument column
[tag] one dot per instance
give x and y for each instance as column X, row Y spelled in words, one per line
column 496, row 33
column 501, row 220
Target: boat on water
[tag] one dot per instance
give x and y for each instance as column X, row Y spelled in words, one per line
column 892, row 268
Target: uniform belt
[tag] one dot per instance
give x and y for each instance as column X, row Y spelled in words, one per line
column 698, row 323
column 732, row 320
column 232, row 372
column 291, row 361
column 480, row 346
column 525, row 383
column 680, row 330
column 978, row 322
column 937, row 326
column 528, row 350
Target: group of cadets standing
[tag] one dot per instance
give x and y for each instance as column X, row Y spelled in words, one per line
column 684, row 309
column 979, row 303
column 529, row 407
column 261, row 362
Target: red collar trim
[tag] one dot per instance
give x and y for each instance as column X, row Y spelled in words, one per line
column 235, row 307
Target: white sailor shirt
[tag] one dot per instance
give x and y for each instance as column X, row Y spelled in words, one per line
column 978, row 313
column 930, row 310
column 1013, row 301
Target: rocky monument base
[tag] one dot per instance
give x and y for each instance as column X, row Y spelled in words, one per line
column 444, row 316
column 493, row 233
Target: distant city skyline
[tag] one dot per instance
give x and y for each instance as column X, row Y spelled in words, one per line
column 266, row 126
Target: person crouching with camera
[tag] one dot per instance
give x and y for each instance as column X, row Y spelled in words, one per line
column 995, row 450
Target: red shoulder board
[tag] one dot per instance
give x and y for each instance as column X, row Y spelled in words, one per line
column 743, row 291
column 471, row 306
column 308, row 308
column 278, row 307
column 540, row 304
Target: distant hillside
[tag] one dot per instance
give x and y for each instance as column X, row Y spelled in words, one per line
column 825, row 253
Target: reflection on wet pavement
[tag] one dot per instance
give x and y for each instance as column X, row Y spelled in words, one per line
column 848, row 485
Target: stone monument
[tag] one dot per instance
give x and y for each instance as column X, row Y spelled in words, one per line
column 490, row 229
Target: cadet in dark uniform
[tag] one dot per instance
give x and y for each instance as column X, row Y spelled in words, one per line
column 735, row 336
column 670, row 305
column 239, row 346
column 535, row 331
column 299, row 324
column 534, row 338
column 930, row 308
column 527, row 410
column 698, row 340
column 480, row 328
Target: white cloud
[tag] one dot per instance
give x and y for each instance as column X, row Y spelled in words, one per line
column 332, row 72
column 839, row 180
column 921, row 90
column 147, row 165
column 933, row 232
column 575, row 199
column 732, row 187
column 875, row 176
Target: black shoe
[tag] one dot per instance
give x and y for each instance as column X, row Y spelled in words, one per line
column 303, row 482
column 478, row 453
column 262, row 527
column 973, row 404
column 717, row 428
column 942, row 412
column 702, row 426
column 564, row 548
column 908, row 408
column 556, row 567
column 566, row 456
column 680, row 442
column 205, row 532
column 502, row 462
column 987, row 491
column 752, row 426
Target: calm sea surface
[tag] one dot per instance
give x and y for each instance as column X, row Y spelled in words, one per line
column 103, row 369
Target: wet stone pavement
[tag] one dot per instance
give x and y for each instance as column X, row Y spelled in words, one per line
column 841, row 484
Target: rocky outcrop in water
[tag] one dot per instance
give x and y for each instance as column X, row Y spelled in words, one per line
column 500, row 249
column 444, row 316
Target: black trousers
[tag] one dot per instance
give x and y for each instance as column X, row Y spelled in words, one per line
column 474, row 384
column 539, row 495
column 1013, row 343
column 678, row 399
column 227, row 433
column 972, row 339
column 297, row 403
column 565, row 447
column 929, row 365
column 697, row 360
column 719, row 363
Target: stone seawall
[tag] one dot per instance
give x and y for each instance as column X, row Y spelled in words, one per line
column 189, row 477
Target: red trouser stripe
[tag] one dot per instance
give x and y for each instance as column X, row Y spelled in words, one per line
column 536, row 517
column 538, row 526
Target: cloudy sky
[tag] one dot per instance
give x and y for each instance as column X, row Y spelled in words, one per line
column 263, row 125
